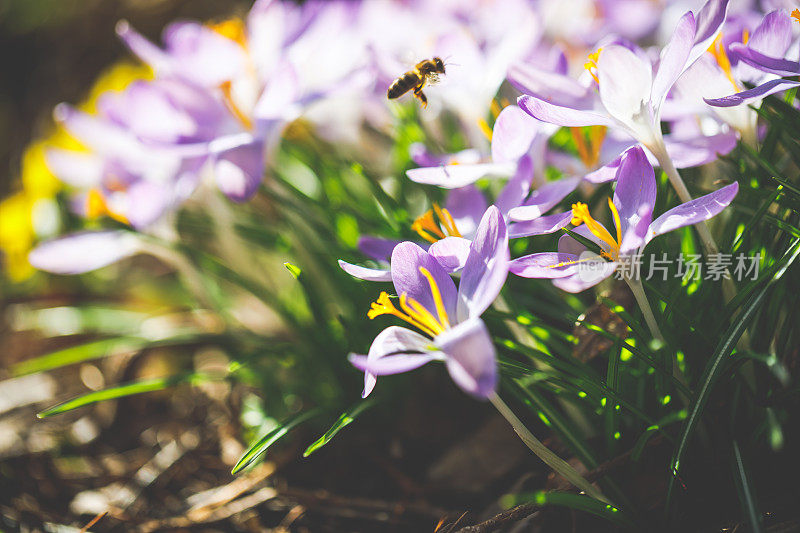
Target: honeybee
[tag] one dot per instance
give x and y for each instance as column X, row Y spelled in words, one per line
column 426, row 71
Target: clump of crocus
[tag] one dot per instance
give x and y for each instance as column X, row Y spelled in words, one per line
column 447, row 317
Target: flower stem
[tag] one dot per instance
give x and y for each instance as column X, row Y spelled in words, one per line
column 641, row 298
column 559, row 465
column 707, row 240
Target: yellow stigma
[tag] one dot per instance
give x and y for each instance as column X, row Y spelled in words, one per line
column 96, row 206
column 485, row 129
column 233, row 28
column 745, row 36
column 796, row 15
column 230, row 103
column 412, row 311
column 589, row 146
column 427, row 227
column 591, row 64
column 581, row 215
column 717, row 49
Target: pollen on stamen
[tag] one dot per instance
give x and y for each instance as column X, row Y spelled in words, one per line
column 796, row 15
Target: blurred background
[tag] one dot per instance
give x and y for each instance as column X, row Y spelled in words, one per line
column 52, row 50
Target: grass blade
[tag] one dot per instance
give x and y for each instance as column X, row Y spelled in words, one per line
column 344, row 420
column 263, row 444
column 577, row 502
column 121, row 391
column 745, row 491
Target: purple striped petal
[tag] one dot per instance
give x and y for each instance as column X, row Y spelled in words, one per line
column 544, row 199
column 757, row 93
column 562, row 116
column 635, row 197
column 772, row 65
column 540, row 226
column 694, row 211
column 543, row 265
column 517, row 187
column 709, row 21
column 451, row 253
column 407, row 258
column 673, row 58
column 546, row 85
column 411, row 349
column 471, row 357
column 84, row 252
column 467, row 206
column 773, row 36
column 486, row 267
column 587, row 276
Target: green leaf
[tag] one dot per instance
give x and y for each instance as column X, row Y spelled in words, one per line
column 577, row 502
column 78, row 354
column 746, row 496
column 257, row 449
column 715, row 364
column 126, row 389
column 295, row 270
column 344, row 420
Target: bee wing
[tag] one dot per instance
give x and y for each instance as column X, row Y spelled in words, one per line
column 433, row 79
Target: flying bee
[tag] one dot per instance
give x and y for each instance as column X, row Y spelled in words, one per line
column 426, row 71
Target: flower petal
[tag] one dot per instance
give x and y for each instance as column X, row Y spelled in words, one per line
column 544, row 199
column 517, row 187
column 635, row 197
column 673, row 58
column 513, row 134
column 466, row 205
column 84, row 252
column 687, row 153
column 625, row 84
column 543, row 265
column 393, row 340
column 540, row 226
column 78, row 169
column 562, row 116
column 486, row 267
column 377, row 248
column 546, row 85
column 773, row 65
column 366, row 273
column 407, row 258
column 587, row 275
column 709, row 21
column 451, row 252
column 694, row 211
column 471, row 357
column 774, row 35
column 457, row 176
column 239, row 171
column 750, row 95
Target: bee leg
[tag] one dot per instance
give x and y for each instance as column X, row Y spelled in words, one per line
column 419, row 95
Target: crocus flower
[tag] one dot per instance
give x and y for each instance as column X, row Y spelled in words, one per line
column 572, row 270
column 630, row 95
column 447, row 317
column 725, row 69
column 766, row 54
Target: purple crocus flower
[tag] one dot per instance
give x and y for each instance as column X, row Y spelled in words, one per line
column 573, row 269
column 448, row 316
column 765, row 52
column 630, row 95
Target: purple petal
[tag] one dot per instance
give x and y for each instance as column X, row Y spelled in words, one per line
column 709, row 21
column 568, row 245
column 517, row 187
column 547, row 85
column 365, row 273
column 486, row 267
column 239, row 171
column 588, row 275
column 451, row 252
column 466, row 205
column 540, row 226
column 773, row 36
column 78, row 169
column 543, row 265
column 513, row 134
column 694, row 211
column 407, row 258
column 635, row 197
column 84, row 252
column 673, row 58
column 97, row 134
column 393, row 340
column 457, row 176
column 757, row 93
column 471, row 357
column 423, row 157
column 561, row 116
column 687, row 153
column 146, row 202
column 377, row 248
column 773, row 65
column 544, row 199
column 606, row 173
